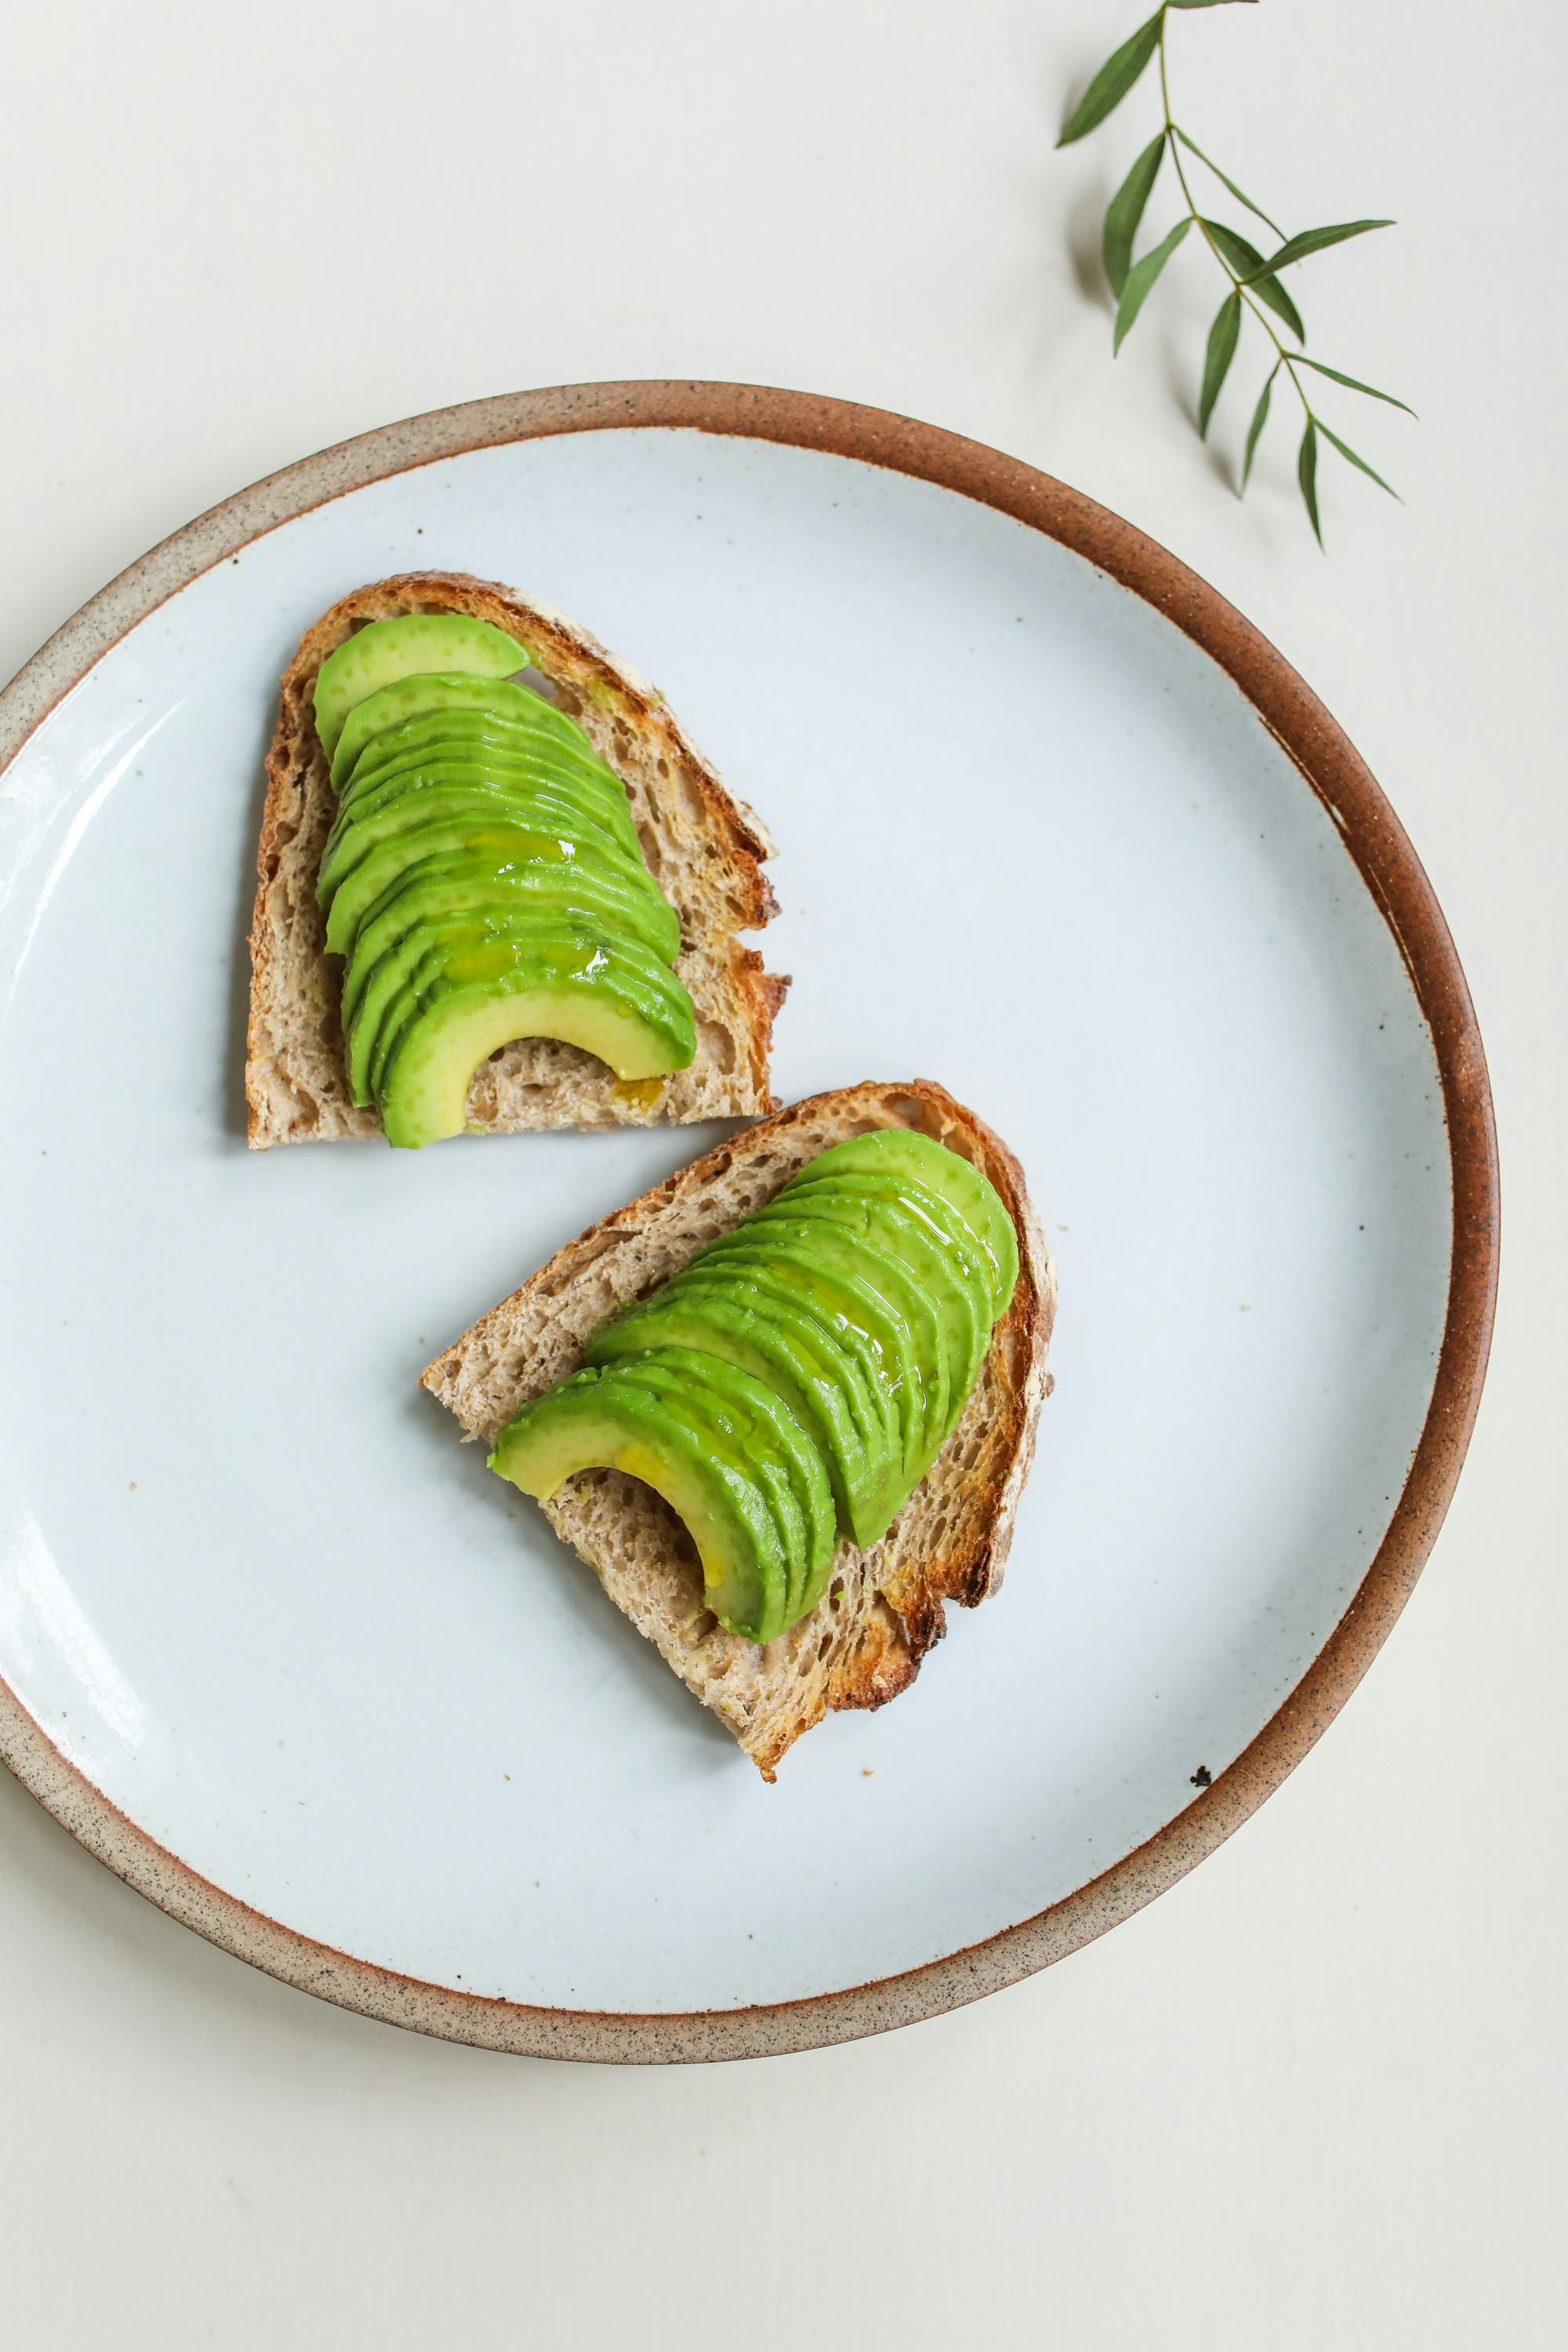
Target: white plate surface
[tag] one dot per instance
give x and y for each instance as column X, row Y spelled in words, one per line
column 1034, row 844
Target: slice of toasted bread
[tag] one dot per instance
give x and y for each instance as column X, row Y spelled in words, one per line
column 704, row 849
column 863, row 1643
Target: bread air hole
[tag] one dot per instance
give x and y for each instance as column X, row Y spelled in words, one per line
column 719, row 1045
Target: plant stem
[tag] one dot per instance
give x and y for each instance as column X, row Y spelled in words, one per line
column 1284, row 359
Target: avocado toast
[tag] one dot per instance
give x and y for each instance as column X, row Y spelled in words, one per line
column 548, row 750
column 953, row 1487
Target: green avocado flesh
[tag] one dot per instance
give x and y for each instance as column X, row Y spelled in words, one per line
column 505, row 849
column 902, row 1151
column 483, row 878
column 408, row 790
column 438, row 1007
column 598, row 1421
column 386, row 650
column 457, row 743
column 440, row 887
column 791, row 1385
column 483, row 735
column 428, row 692
column 946, row 1269
column 358, row 832
column 731, row 1321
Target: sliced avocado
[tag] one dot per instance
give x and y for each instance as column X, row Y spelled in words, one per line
column 671, row 1377
column 476, row 886
column 884, row 1269
column 494, row 774
column 385, row 650
column 508, row 785
column 469, row 999
column 455, row 733
column 777, row 1450
column 352, row 839
column 598, row 1421
column 733, row 1320
column 877, row 1297
column 459, row 949
column 854, row 1315
column 430, row 690
column 504, row 846
column 808, row 1300
column 904, row 1151
column 930, row 1239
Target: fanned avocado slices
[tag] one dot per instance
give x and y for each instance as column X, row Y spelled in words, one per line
column 599, row 1421
column 813, row 1360
column 483, row 877
column 714, row 1443
column 425, row 692
column 386, row 650
column 760, row 1334
column 904, row 1151
column 446, row 997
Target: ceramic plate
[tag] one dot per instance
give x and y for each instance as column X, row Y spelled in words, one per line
column 1055, row 828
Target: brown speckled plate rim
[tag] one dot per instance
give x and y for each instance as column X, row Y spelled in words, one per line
column 1391, row 871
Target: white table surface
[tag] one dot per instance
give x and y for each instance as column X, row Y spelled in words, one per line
column 1313, row 2098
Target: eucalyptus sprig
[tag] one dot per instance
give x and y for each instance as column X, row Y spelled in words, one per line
column 1256, row 286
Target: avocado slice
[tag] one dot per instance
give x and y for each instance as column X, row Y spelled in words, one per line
column 806, row 1299
column 882, row 1266
column 598, row 1420
column 731, row 1319
column 352, row 839
column 874, row 1292
column 476, row 886
column 385, row 650
column 935, row 1247
column 459, row 949
column 781, row 1456
column 495, row 774
column 478, row 733
column 902, row 1151
column 470, row 996
column 426, row 691
column 858, row 1316
column 485, row 743
column 504, row 848
column 707, row 1413
column 509, row 786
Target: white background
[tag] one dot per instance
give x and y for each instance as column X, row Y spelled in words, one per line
column 1313, row 2097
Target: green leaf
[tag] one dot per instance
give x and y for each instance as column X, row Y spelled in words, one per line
column 1259, row 419
column 1246, row 261
column 1270, row 291
column 1221, row 350
column 1307, row 475
column 1346, row 451
column 1142, row 277
column 1112, row 82
column 1125, row 212
column 1241, row 196
column 1314, row 240
column 1354, row 384
column 1199, row 4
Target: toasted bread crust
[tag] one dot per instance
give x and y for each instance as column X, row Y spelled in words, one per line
column 886, row 1608
column 706, row 851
